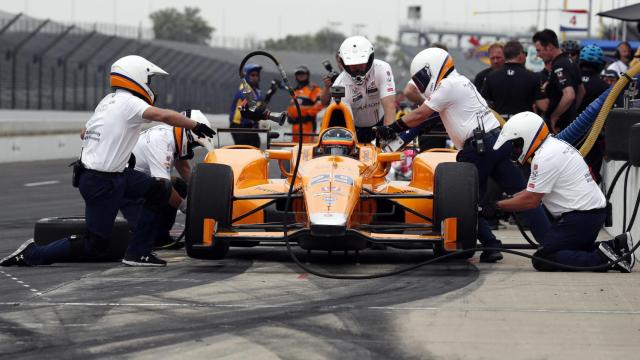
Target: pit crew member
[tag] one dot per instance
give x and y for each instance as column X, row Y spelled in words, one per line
column 473, row 129
column 369, row 86
column 104, row 179
column 308, row 95
column 560, row 179
column 159, row 149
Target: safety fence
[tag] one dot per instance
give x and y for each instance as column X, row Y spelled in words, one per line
column 54, row 66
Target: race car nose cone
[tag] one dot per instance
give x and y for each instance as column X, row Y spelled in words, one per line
column 328, row 224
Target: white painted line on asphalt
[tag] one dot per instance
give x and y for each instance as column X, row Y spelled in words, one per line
column 41, row 183
column 331, row 307
column 20, row 282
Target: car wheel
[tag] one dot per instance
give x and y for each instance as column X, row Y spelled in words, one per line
column 209, row 207
column 51, row 229
column 456, row 195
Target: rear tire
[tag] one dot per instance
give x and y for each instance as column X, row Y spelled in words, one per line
column 456, row 195
column 210, row 197
column 51, row 229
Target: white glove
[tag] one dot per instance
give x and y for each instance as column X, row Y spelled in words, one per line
column 183, row 206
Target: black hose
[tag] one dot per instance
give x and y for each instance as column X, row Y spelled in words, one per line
column 624, row 198
column 615, row 179
column 408, row 268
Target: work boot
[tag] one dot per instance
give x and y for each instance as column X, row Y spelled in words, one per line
column 490, row 256
column 623, row 244
column 609, row 255
column 17, row 258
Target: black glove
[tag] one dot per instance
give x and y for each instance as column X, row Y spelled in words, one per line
column 489, row 211
column 254, row 111
column 273, row 88
column 385, row 132
column 203, row 130
column 389, row 132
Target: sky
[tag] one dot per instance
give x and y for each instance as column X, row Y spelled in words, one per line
column 263, row 19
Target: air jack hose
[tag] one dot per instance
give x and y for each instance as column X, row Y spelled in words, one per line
column 411, row 267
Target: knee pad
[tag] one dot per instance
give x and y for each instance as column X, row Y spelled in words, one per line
column 180, row 186
column 158, row 194
column 540, row 265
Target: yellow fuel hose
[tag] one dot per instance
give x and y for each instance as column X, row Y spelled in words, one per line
column 606, row 108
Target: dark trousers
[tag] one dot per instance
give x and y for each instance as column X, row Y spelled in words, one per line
column 572, row 241
column 103, row 196
column 131, row 209
column 497, row 165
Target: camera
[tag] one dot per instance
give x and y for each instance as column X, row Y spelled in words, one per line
column 332, row 73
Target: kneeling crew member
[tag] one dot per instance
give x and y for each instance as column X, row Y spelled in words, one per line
column 158, row 150
column 473, row 129
column 560, row 179
column 110, row 136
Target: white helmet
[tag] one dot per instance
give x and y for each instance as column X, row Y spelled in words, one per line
column 186, row 140
column 527, row 130
column 356, row 50
column 133, row 73
column 198, row 116
column 429, row 67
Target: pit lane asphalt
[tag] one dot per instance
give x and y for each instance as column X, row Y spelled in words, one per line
column 258, row 304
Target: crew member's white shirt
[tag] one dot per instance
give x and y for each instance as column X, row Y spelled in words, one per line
column 112, row 132
column 618, row 66
column 559, row 172
column 461, row 108
column 155, row 151
column 365, row 99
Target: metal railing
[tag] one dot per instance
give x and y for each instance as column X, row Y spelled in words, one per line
column 57, row 66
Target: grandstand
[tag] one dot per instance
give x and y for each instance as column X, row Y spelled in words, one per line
column 54, row 66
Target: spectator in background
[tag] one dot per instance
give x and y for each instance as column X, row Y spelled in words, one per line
column 572, row 48
column 591, row 63
column 252, row 77
column 543, row 81
column 496, row 58
column 624, row 55
column 564, row 87
column 609, row 76
column 512, row 88
column 308, row 95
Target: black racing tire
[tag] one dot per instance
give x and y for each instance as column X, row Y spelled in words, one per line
column 210, row 197
column 51, row 229
column 456, row 195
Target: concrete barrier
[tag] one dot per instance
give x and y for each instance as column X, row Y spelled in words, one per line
column 617, row 197
column 29, row 135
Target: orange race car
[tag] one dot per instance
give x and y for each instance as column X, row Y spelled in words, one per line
column 342, row 200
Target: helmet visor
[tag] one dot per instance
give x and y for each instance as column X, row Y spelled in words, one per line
column 516, row 150
column 422, row 78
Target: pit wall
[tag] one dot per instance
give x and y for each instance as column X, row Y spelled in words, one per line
column 29, row 135
column 617, row 198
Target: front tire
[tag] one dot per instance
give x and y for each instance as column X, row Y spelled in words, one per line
column 456, row 195
column 210, row 200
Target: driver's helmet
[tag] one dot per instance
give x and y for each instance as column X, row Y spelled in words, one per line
column 337, row 141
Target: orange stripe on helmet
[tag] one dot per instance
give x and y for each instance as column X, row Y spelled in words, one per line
column 120, row 81
column 543, row 132
column 177, row 135
column 444, row 70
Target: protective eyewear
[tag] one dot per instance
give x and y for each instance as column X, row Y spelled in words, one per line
column 422, row 78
